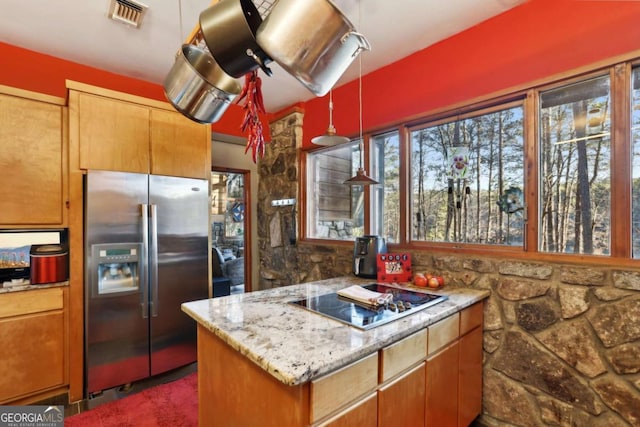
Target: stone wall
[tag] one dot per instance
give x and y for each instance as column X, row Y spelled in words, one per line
column 278, row 179
column 561, row 342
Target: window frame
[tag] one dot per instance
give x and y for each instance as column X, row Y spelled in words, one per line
column 460, row 115
column 620, row 73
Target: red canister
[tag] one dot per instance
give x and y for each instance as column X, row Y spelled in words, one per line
column 49, row 264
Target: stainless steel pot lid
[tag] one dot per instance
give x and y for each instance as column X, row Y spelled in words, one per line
column 43, row 250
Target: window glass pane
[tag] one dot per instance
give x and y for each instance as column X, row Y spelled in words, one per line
column 575, row 176
column 467, row 180
column 385, row 212
column 335, row 210
column 635, row 138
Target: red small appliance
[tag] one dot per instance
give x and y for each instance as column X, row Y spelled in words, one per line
column 49, row 264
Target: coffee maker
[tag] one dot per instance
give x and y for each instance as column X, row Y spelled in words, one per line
column 365, row 255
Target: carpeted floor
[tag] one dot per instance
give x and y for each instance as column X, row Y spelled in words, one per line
column 174, row 404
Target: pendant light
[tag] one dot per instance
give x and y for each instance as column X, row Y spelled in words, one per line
column 360, row 177
column 330, row 138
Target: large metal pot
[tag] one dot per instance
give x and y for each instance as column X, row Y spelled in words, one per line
column 312, row 40
column 229, row 30
column 197, row 87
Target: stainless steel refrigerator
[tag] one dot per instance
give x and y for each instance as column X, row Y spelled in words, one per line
column 146, row 246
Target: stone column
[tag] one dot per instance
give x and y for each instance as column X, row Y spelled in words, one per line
column 277, row 227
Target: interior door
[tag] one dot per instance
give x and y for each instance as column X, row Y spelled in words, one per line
column 230, row 225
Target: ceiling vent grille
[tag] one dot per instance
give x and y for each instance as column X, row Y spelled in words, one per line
column 128, row 12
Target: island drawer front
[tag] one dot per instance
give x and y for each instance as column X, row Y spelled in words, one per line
column 361, row 414
column 470, row 318
column 402, row 355
column 343, row 386
column 443, row 332
column 28, row 302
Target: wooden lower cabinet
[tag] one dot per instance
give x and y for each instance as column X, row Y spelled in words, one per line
column 33, row 352
column 402, row 402
column 403, row 384
column 470, row 378
column 361, row 414
column 442, row 388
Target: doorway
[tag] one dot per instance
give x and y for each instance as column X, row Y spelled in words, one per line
column 230, row 231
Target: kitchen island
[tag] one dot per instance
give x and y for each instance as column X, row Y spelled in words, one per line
column 263, row 361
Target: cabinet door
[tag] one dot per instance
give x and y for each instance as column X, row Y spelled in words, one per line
column 33, row 343
column 470, row 385
column 402, row 402
column 32, row 162
column 361, row 414
column 442, row 388
column 179, row 146
column 114, row 135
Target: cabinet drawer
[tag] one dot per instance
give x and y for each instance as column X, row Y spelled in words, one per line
column 471, row 317
column 443, row 332
column 343, row 386
column 27, row 302
column 402, row 355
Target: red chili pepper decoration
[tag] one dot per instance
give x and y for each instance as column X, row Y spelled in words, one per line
column 253, row 104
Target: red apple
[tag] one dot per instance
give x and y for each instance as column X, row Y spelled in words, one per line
column 433, row 282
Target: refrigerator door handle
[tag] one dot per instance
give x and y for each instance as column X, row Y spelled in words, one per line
column 153, row 260
column 144, row 263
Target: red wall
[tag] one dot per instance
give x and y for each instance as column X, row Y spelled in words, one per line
column 46, row 74
column 535, row 40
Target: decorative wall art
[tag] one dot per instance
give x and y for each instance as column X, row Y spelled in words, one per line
column 458, row 162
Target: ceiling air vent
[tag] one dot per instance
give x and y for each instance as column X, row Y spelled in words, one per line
column 127, row 11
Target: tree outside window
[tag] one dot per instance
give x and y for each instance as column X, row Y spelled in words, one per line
column 467, row 179
column 385, row 211
column 575, row 175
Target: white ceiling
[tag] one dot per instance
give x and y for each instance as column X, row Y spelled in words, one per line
column 79, row 31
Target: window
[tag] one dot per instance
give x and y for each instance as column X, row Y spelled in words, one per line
column 570, row 184
column 467, row 181
column 385, row 197
column 335, row 210
column 575, row 175
column 635, row 140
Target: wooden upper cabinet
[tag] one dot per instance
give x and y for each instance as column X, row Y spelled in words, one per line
column 123, row 132
column 33, row 159
column 114, row 135
column 179, row 146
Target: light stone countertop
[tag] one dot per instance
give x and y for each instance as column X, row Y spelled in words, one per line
column 25, row 285
column 296, row 345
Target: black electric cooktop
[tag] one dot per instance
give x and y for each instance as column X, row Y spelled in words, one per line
column 363, row 316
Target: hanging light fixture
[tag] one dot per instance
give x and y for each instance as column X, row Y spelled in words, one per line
column 330, row 138
column 360, row 177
